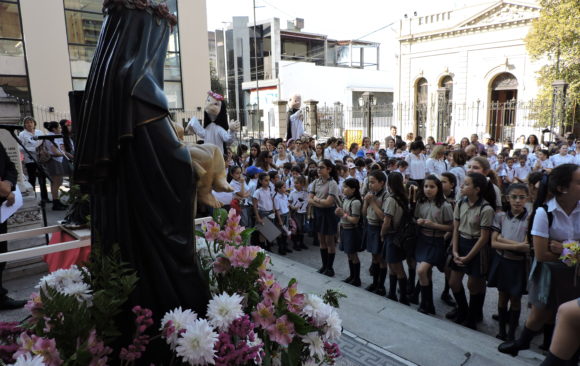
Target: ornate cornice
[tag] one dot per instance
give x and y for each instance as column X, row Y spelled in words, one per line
column 503, row 15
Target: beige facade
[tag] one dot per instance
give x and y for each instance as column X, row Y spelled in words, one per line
column 467, row 71
column 46, row 48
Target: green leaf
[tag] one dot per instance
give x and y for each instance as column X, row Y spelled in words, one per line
column 301, row 326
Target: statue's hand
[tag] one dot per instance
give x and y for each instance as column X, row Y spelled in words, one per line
column 234, row 125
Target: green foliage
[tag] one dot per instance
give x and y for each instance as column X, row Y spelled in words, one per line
column 554, row 38
column 69, row 321
column 332, row 297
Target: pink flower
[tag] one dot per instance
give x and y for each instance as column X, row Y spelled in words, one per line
column 282, row 331
column 39, row 346
column 221, row 265
column 230, row 235
column 229, row 251
column 294, row 299
column 266, row 280
column 34, row 305
column 244, row 256
column 273, row 293
column 212, row 231
column 264, row 314
column 233, row 218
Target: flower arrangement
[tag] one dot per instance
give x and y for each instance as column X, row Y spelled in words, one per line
column 252, row 319
column 571, row 253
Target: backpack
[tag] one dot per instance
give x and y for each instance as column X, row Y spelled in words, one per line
column 43, row 154
column 407, row 229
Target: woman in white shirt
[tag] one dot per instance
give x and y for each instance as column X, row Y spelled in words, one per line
column 54, row 166
column 562, row 157
column 27, row 139
column 417, row 163
column 391, row 147
column 282, row 156
column 436, row 163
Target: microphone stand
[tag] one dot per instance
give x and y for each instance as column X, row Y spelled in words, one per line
column 42, row 173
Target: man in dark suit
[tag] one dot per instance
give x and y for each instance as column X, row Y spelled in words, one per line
column 8, row 179
column 397, row 138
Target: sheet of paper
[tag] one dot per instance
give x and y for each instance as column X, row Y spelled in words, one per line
column 7, row 211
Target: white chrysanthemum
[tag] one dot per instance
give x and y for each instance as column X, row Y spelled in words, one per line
column 223, row 309
column 28, row 360
column 180, row 319
column 334, row 326
column 315, row 344
column 80, row 290
column 315, row 308
column 196, row 345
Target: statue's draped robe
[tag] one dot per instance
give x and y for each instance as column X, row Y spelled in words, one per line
column 140, row 176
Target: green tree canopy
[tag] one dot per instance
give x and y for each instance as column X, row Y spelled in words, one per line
column 555, row 38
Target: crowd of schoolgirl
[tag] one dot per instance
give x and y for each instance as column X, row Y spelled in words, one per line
column 496, row 215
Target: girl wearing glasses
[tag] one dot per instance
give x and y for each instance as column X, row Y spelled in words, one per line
column 323, row 197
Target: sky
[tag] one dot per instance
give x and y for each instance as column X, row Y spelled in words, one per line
column 339, row 19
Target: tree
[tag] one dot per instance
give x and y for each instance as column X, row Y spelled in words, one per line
column 555, row 38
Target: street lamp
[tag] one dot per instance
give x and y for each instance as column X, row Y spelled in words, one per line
column 366, row 101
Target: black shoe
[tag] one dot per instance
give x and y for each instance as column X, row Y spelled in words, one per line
column 451, row 314
column 356, row 282
column 296, row 248
column 10, row 304
column 372, row 287
column 288, row 250
column 495, row 317
column 381, row 291
column 392, row 297
column 447, row 299
column 321, row 269
column 329, row 272
column 413, row 298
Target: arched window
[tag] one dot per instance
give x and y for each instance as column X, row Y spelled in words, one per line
column 444, row 107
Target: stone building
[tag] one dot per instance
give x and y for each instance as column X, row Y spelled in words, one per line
column 467, row 71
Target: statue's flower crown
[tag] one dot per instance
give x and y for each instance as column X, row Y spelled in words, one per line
column 160, row 11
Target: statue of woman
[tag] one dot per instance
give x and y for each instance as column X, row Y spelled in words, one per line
column 140, row 176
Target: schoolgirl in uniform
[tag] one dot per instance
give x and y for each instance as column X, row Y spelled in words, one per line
column 481, row 165
column 457, row 160
column 298, row 203
column 449, row 185
column 555, row 220
column 434, row 217
column 473, row 217
column 372, row 209
column 350, row 235
column 508, row 269
column 263, row 204
column 238, row 183
column 395, row 206
column 282, row 211
column 323, row 197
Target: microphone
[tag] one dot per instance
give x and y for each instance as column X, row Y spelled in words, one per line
column 11, row 128
column 47, row 137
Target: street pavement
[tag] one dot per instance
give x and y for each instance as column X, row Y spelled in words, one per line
column 377, row 331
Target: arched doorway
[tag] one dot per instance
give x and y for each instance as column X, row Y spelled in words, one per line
column 444, row 107
column 421, row 105
column 502, row 109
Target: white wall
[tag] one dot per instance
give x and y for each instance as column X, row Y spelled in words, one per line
column 329, row 84
column 193, row 44
column 47, row 52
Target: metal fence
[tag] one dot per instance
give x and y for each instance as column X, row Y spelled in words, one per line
column 504, row 121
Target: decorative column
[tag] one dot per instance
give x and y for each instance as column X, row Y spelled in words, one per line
column 281, row 117
column 559, row 90
column 311, row 117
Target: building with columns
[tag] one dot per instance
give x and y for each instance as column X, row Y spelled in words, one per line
column 467, row 71
column 46, row 48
